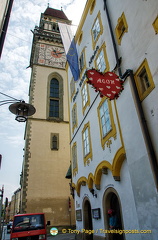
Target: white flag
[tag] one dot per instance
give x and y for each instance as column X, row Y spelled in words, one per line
column 66, row 35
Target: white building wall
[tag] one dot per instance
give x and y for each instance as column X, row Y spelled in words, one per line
column 3, row 9
column 136, row 189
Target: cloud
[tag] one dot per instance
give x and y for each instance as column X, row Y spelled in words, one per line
column 65, row 6
column 15, row 78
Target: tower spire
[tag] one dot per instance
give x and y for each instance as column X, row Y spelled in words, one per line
column 48, row 4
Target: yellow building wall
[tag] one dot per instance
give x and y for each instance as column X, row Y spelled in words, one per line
column 47, row 188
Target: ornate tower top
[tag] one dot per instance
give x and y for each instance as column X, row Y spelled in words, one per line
column 47, row 33
column 58, row 14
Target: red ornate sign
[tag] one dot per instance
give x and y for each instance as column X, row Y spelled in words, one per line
column 107, row 84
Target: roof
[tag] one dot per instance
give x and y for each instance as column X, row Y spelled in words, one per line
column 55, row 13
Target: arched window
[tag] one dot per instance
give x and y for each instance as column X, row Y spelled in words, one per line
column 54, row 98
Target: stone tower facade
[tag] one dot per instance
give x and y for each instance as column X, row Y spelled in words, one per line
column 47, row 152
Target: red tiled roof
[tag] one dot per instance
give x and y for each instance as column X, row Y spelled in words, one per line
column 55, row 13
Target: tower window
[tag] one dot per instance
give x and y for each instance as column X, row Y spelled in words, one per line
column 54, row 98
column 54, row 141
column 54, row 88
column 54, row 108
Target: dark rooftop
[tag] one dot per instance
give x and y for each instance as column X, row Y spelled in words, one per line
column 55, row 13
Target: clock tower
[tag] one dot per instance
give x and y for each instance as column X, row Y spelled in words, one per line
column 47, row 151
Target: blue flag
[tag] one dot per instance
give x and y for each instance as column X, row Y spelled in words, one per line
column 72, row 58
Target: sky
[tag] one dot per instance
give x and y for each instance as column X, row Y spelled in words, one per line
column 15, row 79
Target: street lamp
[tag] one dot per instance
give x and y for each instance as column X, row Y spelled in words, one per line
column 18, row 107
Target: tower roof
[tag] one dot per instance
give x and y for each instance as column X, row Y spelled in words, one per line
column 55, row 13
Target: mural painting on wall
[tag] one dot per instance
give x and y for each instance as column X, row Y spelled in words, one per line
column 108, row 84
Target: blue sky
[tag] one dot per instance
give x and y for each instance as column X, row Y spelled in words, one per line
column 15, row 79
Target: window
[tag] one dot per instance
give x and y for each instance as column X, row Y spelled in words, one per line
column 106, row 121
column 105, row 118
column 121, row 28
column 101, row 65
column 82, row 61
column 144, row 80
column 97, row 29
column 72, row 88
column 85, row 96
column 86, row 142
column 54, row 98
column 74, row 117
column 87, row 151
column 74, row 157
column 54, row 141
column 54, row 108
column 101, row 61
column 45, row 25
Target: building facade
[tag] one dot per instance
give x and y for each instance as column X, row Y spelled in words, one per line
column 5, row 11
column 14, row 205
column 47, row 151
column 114, row 143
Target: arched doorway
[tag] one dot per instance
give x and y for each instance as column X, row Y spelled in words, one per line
column 111, row 201
column 87, row 214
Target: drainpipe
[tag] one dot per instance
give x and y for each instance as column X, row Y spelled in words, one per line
column 113, row 39
column 145, row 130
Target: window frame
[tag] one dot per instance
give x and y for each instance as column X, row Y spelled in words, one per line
column 53, row 97
column 82, row 59
column 155, row 25
column 87, row 156
column 102, row 48
column 74, row 160
column 87, row 103
column 57, row 142
column 112, row 131
column 72, row 88
column 121, row 24
column 74, row 117
column 60, row 99
column 94, row 40
column 144, row 66
column 92, row 6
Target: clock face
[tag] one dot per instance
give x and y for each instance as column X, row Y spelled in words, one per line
column 52, row 56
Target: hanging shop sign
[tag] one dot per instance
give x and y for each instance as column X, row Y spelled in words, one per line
column 108, row 84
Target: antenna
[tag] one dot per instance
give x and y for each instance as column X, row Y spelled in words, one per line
column 48, row 4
